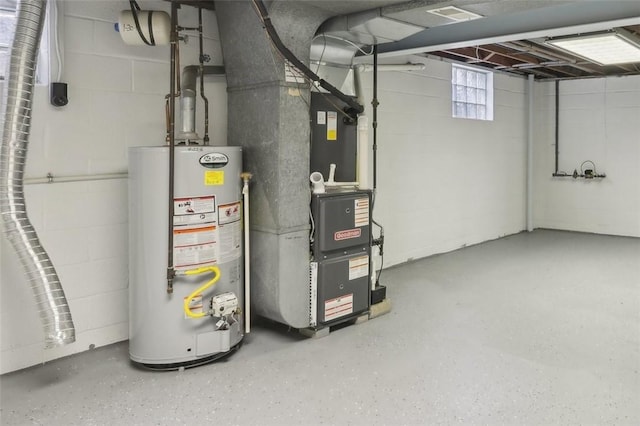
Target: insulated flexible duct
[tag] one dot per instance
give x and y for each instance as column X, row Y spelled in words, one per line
column 17, row 97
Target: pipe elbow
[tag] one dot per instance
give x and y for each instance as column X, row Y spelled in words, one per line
column 317, row 183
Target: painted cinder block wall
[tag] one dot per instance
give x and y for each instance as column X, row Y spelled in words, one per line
column 443, row 182
column 599, row 121
column 116, row 100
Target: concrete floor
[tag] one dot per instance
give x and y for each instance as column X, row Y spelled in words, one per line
column 540, row 328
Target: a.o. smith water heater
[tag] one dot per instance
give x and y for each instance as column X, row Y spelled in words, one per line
column 207, row 232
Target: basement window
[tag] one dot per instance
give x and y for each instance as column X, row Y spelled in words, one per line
column 471, row 93
column 8, row 19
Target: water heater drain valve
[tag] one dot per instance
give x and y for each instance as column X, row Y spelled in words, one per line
column 224, row 304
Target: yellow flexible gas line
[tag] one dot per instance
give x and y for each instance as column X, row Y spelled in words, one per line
column 210, row 283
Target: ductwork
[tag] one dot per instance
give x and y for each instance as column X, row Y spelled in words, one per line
column 188, row 87
column 17, row 97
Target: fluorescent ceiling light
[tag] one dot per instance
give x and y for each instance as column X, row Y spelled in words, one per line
column 613, row 47
column 455, row 13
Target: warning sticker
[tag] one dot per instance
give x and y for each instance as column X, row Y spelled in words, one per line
column 361, row 210
column 194, row 246
column 321, row 117
column 338, row 307
column 193, row 205
column 230, row 241
column 195, row 305
column 194, row 219
column 229, row 213
column 214, row 177
column 332, row 125
column 358, row 267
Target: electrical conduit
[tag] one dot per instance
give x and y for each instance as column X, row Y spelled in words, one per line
column 45, row 284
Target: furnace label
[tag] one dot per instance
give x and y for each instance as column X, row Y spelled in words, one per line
column 358, row 267
column 332, row 125
column 361, row 210
column 338, row 307
column 322, row 118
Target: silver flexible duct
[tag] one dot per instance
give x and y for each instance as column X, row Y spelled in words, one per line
column 17, row 97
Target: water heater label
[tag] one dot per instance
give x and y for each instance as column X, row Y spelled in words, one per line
column 338, row 307
column 194, row 205
column 230, row 242
column 361, row 210
column 214, row 160
column 358, row 267
column 214, row 178
column 229, row 213
column 194, row 246
column 193, row 219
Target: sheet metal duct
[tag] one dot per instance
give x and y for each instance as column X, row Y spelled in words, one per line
column 17, row 98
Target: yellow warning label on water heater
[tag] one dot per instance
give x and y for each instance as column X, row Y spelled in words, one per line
column 214, row 177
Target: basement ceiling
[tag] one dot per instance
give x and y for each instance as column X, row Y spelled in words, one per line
column 510, row 35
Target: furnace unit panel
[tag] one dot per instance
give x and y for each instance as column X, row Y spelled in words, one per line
column 332, row 140
column 342, row 220
column 343, row 287
column 341, row 253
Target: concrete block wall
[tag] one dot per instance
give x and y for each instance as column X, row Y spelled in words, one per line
column 599, row 121
column 443, row 182
column 116, row 100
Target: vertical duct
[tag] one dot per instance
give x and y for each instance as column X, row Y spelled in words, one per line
column 269, row 117
column 17, row 100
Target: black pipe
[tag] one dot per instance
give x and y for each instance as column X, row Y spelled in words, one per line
column 204, row 98
column 355, row 107
column 557, row 124
column 172, row 139
column 375, row 103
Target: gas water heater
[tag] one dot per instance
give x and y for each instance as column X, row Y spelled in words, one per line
column 187, row 326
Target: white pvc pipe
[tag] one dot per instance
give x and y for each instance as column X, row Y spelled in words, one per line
column 332, row 174
column 317, row 183
column 362, row 173
column 530, row 124
column 50, row 178
column 247, row 260
column 391, row 67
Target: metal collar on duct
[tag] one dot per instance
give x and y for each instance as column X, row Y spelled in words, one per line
column 17, row 98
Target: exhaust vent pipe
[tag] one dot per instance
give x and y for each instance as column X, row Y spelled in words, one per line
column 16, row 119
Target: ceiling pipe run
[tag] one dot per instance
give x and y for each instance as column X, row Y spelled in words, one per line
column 49, row 295
column 553, row 21
column 391, row 67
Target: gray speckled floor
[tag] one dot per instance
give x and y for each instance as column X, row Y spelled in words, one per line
column 540, row 328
